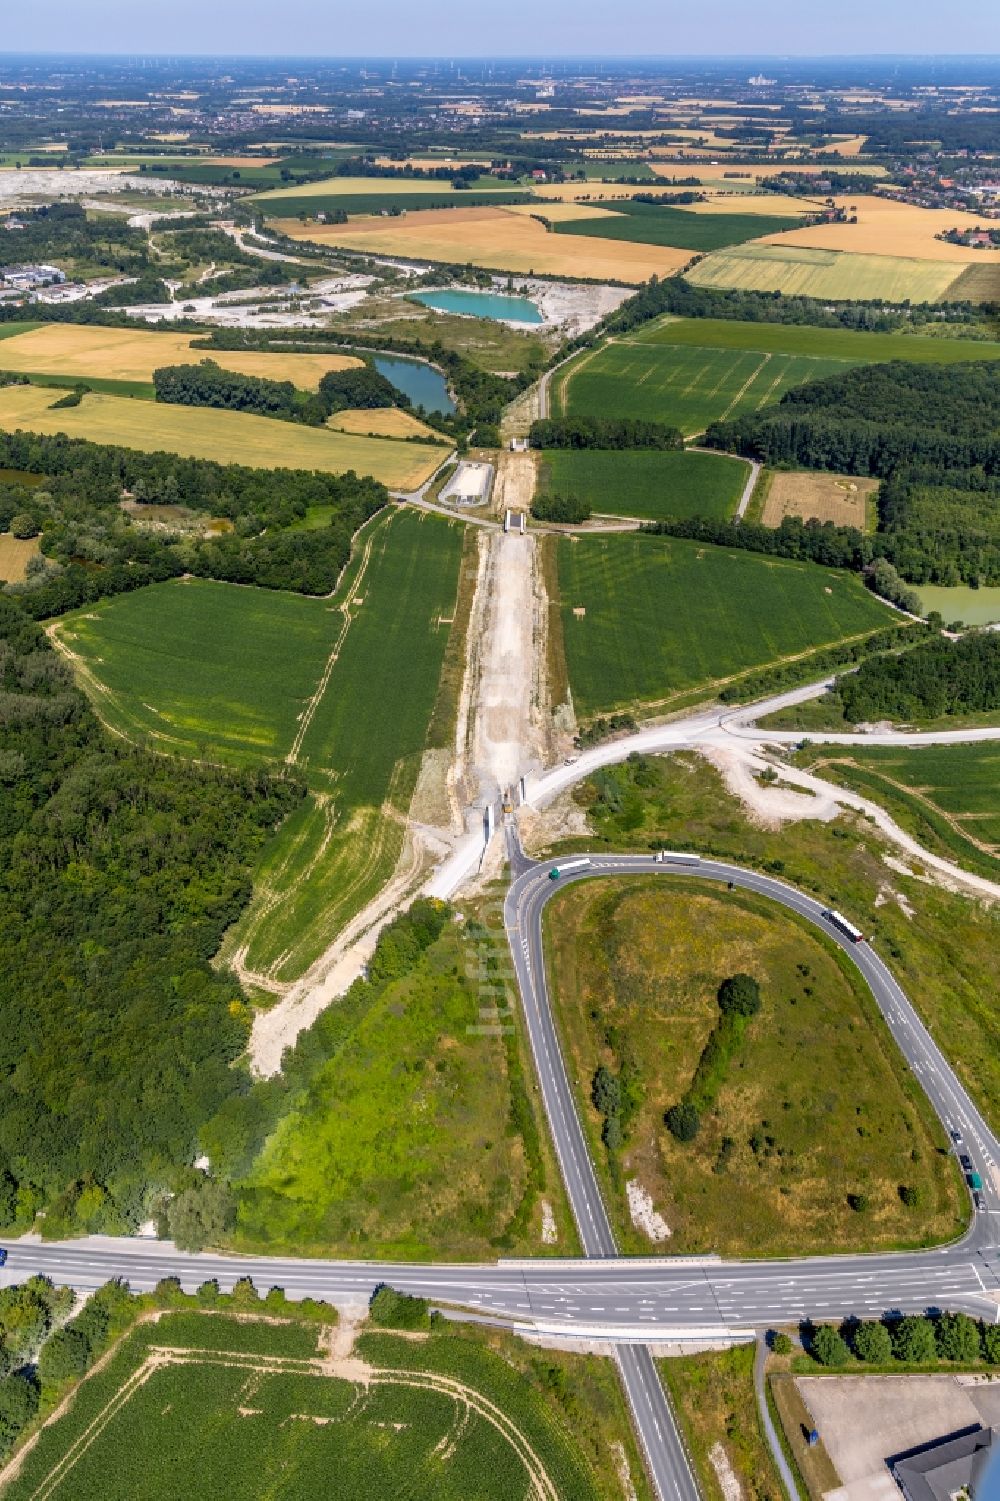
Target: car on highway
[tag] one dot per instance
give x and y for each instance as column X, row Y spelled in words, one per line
column 966, row 1162
column 3, row 1256
column 979, row 1201
column 958, row 1138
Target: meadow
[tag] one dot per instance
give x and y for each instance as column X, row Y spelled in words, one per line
column 713, row 1395
column 947, row 796
column 801, row 271
column 686, row 387
column 645, row 482
column 341, row 688
column 655, row 224
column 249, row 1411
column 648, row 618
column 227, row 437
column 400, row 1146
column 496, row 239
column 636, row 968
column 89, row 351
column 943, row 948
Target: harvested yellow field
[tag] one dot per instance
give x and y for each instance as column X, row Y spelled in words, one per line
column 430, row 163
column 560, row 211
column 496, row 240
column 226, row 437
column 797, row 270
column 848, row 146
column 335, row 187
column 561, row 191
column 713, row 171
column 784, row 205
column 840, row 498
column 86, row 349
column 15, row 555
column 383, row 422
column 886, row 227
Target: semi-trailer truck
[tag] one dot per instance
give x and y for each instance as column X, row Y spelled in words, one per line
column 567, row 866
column 847, row 928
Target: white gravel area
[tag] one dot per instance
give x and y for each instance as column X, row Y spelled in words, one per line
column 643, row 1213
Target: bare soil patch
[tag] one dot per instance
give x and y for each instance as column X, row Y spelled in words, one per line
column 15, row 555
column 840, row 498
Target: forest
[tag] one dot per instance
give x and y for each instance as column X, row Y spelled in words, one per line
column 62, row 232
column 90, row 548
column 208, row 385
column 938, row 677
column 935, row 444
column 119, row 872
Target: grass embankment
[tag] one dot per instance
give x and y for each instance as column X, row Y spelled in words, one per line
column 344, row 688
column 814, row 1105
column 252, row 1407
column 946, row 955
column 645, row 482
column 226, row 437
column 948, row 797
column 646, row 619
column 713, row 1395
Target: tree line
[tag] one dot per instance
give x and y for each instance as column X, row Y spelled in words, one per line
column 91, row 549
column 603, row 432
column 119, row 873
column 937, row 677
column 930, row 433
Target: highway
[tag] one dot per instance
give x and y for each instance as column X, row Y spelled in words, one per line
column 629, row 1302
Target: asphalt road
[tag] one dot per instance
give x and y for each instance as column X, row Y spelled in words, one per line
column 748, row 1298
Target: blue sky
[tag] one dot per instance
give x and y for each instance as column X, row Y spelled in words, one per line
column 407, row 28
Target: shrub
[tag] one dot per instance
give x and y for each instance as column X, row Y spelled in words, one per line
column 957, row 1337
column 201, row 1215
column 739, row 996
column 829, row 1347
column 18, row 1405
column 780, row 1342
column 390, row 1309
column 872, row 1343
column 23, row 526
column 683, row 1121
column 859, row 1202
column 65, row 1354
column 913, row 1341
column 910, row 1196
column 568, row 510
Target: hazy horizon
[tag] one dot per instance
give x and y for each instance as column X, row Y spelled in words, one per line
column 640, row 29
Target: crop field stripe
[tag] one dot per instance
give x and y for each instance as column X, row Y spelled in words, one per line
column 646, row 483
column 659, row 620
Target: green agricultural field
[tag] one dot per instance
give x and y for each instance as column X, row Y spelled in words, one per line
column 202, row 668
column 821, row 343
column 648, row 618
column 341, row 688
column 361, row 748
column 800, row 271
column 223, row 1409
column 947, row 796
column 685, row 387
column 646, row 483
column 635, row 971
column 656, row 224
